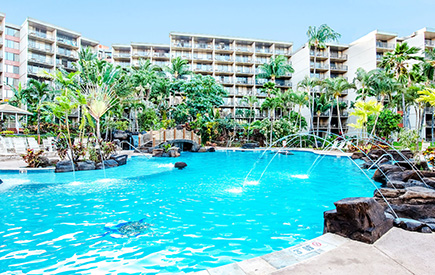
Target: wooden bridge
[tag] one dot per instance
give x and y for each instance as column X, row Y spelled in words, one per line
column 177, row 137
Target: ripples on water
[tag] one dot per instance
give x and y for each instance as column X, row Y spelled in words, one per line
column 200, row 217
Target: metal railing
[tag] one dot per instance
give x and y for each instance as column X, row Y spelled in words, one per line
column 223, row 58
column 41, row 35
column 384, row 45
column 122, row 55
column 44, row 49
column 67, row 42
column 159, row 54
column 338, row 56
column 429, row 43
column 338, row 67
column 223, row 47
column 319, row 66
column 203, row 46
column 319, row 54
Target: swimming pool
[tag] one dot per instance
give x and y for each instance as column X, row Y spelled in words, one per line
column 200, row 217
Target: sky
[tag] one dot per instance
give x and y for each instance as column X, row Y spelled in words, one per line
column 122, row 22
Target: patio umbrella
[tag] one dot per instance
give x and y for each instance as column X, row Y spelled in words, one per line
column 12, row 110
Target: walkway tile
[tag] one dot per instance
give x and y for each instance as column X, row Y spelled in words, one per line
column 230, row 269
column 280, row 259
column 256, row 266
column 415, row 251
column 350, row 258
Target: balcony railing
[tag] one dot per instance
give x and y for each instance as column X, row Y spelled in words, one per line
column 244, row 81
column 384, row 45
column 243, row 49
column 38, row 71
column 122, row 55
column 338, row 67
column 225, row 80
column 204, row 69
column 67, row 42
column 203, row 46
column 41, row 35
column 281, row 52
column 201, row 57
column 224, row 70
column 223, row 58
column 261, row 50
column 68, row 54
column 142, row 54
column 244, row 71
column 261, row 81
column 319, row 66
column 261, row 61
column 338, row 56
column 160, row 54
column 45, row 61
column 181, row 45
column 223, row 47
column 319, row 54
column 429, row 43
column 44, row 49
column 284, row 83
column 247, row 60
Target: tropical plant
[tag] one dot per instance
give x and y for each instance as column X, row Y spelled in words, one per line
column 276, row 68
column 387, row 123
column 321, row 105
column 271, row 104
column 179, row 68
column 34, row 159
column 362, row 110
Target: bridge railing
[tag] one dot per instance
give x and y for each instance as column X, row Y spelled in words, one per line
column 164, row 135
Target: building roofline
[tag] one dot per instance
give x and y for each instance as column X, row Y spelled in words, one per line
column 52, row 26
column 2, row 15
column 230, row 37
column 90, row 40
column 121, row 45
column 12, row 25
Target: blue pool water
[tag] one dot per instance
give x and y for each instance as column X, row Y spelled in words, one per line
column 200, row 217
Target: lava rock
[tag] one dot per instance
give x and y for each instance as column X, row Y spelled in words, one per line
column 1, row 181
column 211, row 150
column 120, row 159
column 44, row 161
column 86, row 165
column 174, row 152
column 426, row 229
column 107, row 164
column 65, row 166
column 202, row 150
column 360, row 219
column 250, row 145
column 411, row 225
column 180, row 165
column 158, row 152
column 357, row 155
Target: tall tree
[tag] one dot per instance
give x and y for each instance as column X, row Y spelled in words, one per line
column 271, row 104
column 309, row 84
column 397, row 63
column 335, row 87
column 318, row 37
column 276, row 68
column 321, row 105
column 179, row 67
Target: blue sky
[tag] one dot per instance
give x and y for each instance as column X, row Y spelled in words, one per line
column 125, row 21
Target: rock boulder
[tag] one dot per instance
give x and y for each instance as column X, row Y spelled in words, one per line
column 65, row 166
column 360, row 219
column 86, row 165
column 180, row 165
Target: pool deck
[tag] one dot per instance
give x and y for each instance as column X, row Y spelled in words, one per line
column 397, row 252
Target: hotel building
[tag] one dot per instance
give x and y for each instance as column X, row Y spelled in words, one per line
column 36, row 46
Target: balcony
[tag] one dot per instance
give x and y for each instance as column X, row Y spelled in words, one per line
column 204, row 46
column 67, row 66
column 320, row 66
column 261, row 81
column 71, row 55
column 282, row 52
column 202, row 57
column 263, row 50
column 161, row 55
column 338, row 67
column 41, row 36
column 243, row 60
column 66, row 42
column 245, row 81
column 122, row 56
column 379, row 57
column 222, row 47
column 320, row 54
column 223, row 58
column 261, row 61
column 39, row 72
column 204, row 69
column 244, row 71
column 224, row 70
column 337, row 56
column 141, row 54
column 384, row 45
column 429, row 43
column 225, row 81
column 283, row 83
column 46, row 62
column 244, row 49
column 181, row 45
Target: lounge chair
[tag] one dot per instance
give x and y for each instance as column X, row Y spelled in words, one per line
column 33, row 144
column 9, row 144
column 4, row 150
column 48, row 144
column 20, row 145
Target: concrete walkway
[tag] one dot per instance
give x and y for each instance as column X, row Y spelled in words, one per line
column 397, row 252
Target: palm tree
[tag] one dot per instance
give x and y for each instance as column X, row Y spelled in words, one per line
column 317, row 38
column 271, row 103
column 308, row 84
column 335, row 87
column 381, row 85
column 397, row 64
column 276, row 68
column 301, row 99
column 179, row 67
column 19, row 98
column 321, row 105
column 251, row 101
column 361, row 81
column 38, row 93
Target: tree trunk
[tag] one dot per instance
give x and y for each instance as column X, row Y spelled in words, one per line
column 98, row 128
column 271, row 130
column 329, row 122
column 300, row 125
column 37, row 128
column 318, row 126
column 338, row 116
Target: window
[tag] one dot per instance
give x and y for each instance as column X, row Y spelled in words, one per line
column 12, row 69
column 12, row 32
column 12, row 44
column 11, row 81
column 12, row 56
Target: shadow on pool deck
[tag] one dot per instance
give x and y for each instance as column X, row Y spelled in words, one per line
column 397, row 252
